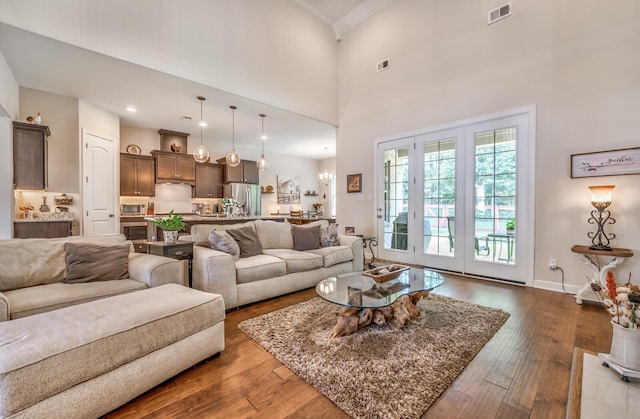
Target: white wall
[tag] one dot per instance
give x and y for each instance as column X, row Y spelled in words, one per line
column 578, row 61
column 270, row 51
column 9, row 102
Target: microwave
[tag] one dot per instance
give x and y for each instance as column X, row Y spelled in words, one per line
column 133, row 209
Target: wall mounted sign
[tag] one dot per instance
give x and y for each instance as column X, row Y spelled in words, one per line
column 606, row 163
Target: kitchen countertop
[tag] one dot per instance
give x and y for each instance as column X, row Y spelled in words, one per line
column 43, row 220
column 192, row 218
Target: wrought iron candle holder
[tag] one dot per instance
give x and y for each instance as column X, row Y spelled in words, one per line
column 601, row 199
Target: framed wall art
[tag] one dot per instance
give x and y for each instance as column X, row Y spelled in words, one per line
column 288, row 189
column 354, row 183
column 606, row 163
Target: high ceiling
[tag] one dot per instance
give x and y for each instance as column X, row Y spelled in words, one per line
column 162, row 100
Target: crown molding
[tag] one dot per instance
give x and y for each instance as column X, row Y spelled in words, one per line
column 357, row 15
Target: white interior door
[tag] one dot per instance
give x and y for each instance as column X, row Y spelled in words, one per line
column 99, row 180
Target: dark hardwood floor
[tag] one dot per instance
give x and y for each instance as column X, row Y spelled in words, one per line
column 523, row 372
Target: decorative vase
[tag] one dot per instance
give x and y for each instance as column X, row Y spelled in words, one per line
column 170, row 236
column 625, row 347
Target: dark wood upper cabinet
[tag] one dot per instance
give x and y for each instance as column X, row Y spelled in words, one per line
column 30, row 156
column 174, row 167
column 137, row 175
column 246, row 172
column 208, row 181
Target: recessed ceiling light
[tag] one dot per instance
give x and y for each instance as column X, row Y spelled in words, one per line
column 131, row 109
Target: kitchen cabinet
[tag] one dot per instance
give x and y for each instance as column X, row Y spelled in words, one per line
column 41, row 229
column 208, row 181
column 246, row 172
column 137, row 175
column 30, row 156
column 174, row 167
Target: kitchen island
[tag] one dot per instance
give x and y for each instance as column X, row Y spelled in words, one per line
column 153, row 232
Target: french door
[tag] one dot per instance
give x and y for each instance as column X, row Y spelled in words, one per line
column 447, row 197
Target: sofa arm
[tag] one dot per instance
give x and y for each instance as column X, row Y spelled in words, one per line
column 214, row 271
column 156, row 270
column 5, row 308
column 357, row 248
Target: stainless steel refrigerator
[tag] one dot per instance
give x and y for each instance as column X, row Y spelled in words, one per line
column 247, row 195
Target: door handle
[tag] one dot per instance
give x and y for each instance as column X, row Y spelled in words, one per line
column 110, row 215
column 379, row 216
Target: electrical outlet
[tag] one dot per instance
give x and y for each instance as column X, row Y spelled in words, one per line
column 553, row 264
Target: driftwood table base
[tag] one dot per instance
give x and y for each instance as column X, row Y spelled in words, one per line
column 395, row 315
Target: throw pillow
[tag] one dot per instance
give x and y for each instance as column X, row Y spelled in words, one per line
column 306, row 238
column 247, row 240
column 91, row 262
column 329, row 236
column 222, row 241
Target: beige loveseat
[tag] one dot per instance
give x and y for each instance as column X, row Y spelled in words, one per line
column 280, row 269
column 33, row 270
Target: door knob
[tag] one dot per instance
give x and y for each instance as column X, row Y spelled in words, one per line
column 379, row 216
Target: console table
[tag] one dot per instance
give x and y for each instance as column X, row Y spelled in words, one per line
column 590, row 258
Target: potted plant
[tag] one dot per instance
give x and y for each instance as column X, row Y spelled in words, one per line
column 170, row 226
column 511, row 226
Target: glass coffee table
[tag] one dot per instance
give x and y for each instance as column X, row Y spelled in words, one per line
column 365, row 301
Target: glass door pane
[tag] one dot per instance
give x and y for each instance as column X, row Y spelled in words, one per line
column 396, row 198
column 439, row 183
column 495, row 195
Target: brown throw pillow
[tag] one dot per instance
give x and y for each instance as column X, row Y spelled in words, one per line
column 247, row 239
column 91, row 262
column 306, row 238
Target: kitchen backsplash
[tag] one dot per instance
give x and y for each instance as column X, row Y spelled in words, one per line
column 169, row 196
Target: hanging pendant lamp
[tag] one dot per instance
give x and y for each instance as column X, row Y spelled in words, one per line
column 201, row 154
column 233, row 159
column 262, row 163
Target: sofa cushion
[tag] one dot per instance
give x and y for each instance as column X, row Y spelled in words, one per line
column 21, row 268
column 222, row 241
column 94, row 339
column 33, row 300
column 297, row 261
column 91, row 262
column 247, row 240
column 329, row 235
column 200, row 232
column 306, row 237
column 334, row 255
column 259, row 267
column 274, row 235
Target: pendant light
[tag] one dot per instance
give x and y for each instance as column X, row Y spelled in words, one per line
column 325, row 177
column 201, row 154
column 262, row 163
column 233, row 159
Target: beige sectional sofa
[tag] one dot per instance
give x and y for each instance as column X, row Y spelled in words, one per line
column 33, row 270
column 280, row 269
column 80, row 350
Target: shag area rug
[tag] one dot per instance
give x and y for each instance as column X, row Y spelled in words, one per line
column 377, row 372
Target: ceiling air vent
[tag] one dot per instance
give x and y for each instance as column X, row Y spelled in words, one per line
column 499, row 13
